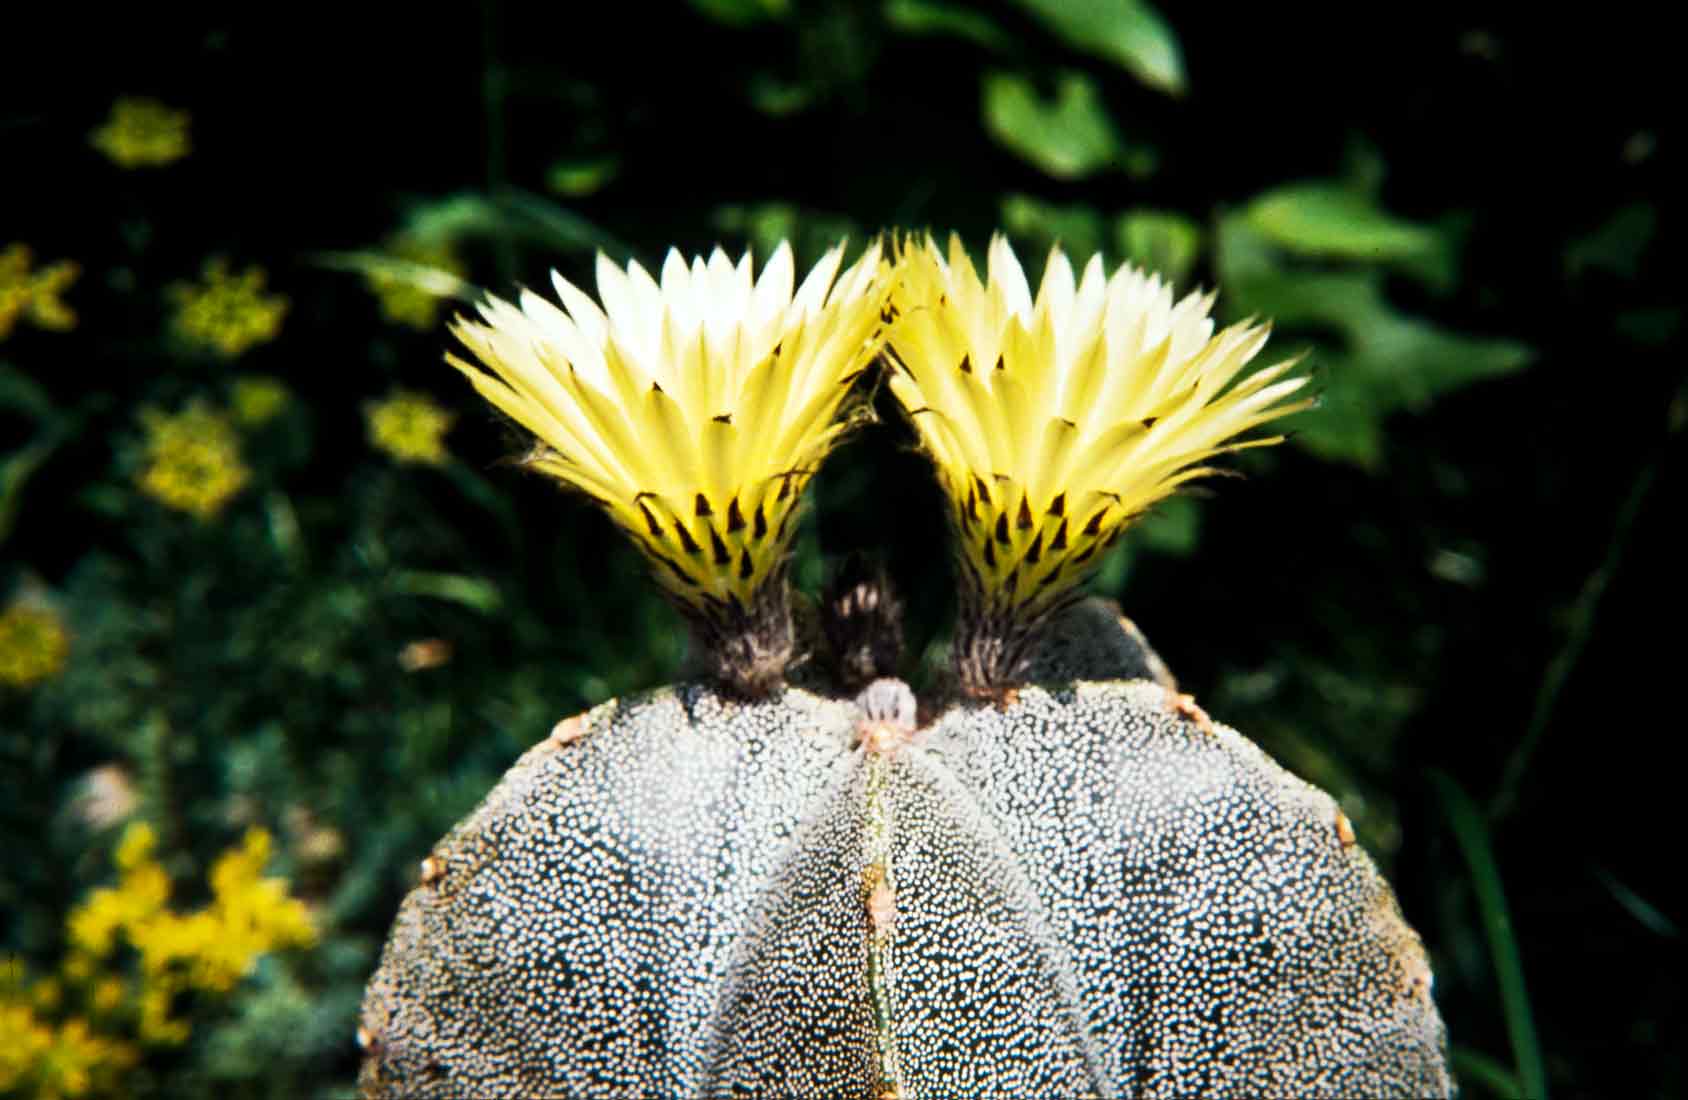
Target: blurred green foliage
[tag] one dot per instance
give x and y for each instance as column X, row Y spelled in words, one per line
column 347, row 643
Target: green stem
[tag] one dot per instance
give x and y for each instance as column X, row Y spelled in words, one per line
column 1473, row 1066
column 1472, row 836
column 1581, row 629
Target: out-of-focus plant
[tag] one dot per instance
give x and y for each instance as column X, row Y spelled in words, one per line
column 143, row 133
column 227, row 313
column 33, row 644
column 257, row 399
column 411, row 288
column 138, row 971
column 409, row 427
column 34, row 296
column 193, row 461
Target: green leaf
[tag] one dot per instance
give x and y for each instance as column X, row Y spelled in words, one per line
column 19, row 391
column 765, row 225
column 424, row 277
column 1645, row 912
column 1076, row 228
column 550, row 224
column 935, row 17
column 15, row 472
column 1172, row 527
column 777, row 97
column 1347, row 423
column 1415, row 361
column 1344, row 302
column 1127, row 32
column 1332, row 221
column 1372, row 361
column 581, row 175
column 1649, row 327
column 511, row 214
column 743, row 13
column 1617, row 246
column 1472, row 835
column 1471, row 1066
column 473, row 592
column 1068, row 137
column 1169, row 244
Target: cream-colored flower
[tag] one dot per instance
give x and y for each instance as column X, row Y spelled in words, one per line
column 693, row 406
column 1056, row 421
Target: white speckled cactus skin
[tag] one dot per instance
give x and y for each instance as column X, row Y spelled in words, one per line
column 1085, row 891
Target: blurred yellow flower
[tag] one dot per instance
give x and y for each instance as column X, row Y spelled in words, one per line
column 24, row 1038
column 257, row 399
column 53, row 1061
column 193, row 461
column 228, row 313
column 411, row 290
column 33, row 645
column 142, row 133
column 207, row 950
column 34, row 296
column 109, row 996
column 409, row 426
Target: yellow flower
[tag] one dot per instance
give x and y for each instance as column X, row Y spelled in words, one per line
column 227, row 313
column 72, row 1061
column 156, row 1025
column 34, row 296
column 109, row 996
column 33, row 645
column 420, row 275
column 24, row 1041
column 78, row 966
column 142, row 132
column 1055, row 422
column 257, row 399
column 209, row 950
column 193, row 461
column 693, row 410
column 47, row 993
column 409, row 427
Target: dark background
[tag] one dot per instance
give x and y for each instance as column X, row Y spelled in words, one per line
column 1488, row 591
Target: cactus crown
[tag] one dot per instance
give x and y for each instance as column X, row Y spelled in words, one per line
column 693, row 407
column 1054, row 422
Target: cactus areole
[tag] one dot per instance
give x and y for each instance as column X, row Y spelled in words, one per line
column 1083, row 890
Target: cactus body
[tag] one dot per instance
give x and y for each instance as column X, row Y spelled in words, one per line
column 1079, row 892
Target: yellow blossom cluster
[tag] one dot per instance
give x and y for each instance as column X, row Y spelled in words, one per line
column 34, row 295
column 227, row 313
column 33, row 645
column 410, row 290
column 210, row 949
column 257, row 399
column 142, row 133
column 193, row 461
column 409, row 426
column 55, row 1059
column 205, row 951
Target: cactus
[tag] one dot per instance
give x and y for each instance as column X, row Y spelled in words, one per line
column 1058, row 877
column 1088, row 890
